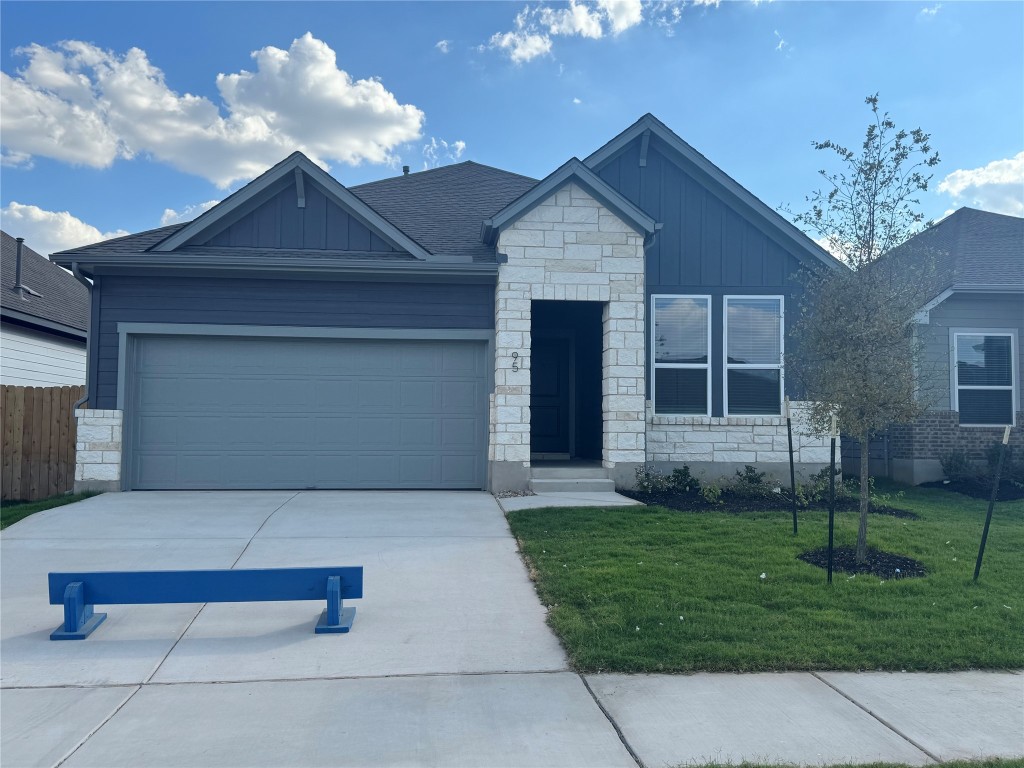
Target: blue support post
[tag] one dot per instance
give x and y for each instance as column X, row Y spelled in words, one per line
column 336, row 618
column 79, row 619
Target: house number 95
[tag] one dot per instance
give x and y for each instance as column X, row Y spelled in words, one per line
column 515, row 361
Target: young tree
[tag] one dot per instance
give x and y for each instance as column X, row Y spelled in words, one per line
column 856, row 343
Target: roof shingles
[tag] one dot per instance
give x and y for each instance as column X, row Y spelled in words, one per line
column 62, row 299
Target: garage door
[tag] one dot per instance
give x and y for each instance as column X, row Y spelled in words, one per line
column 208, row 412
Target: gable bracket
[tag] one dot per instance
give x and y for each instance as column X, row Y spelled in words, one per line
column 300, row 189
column 644, row 143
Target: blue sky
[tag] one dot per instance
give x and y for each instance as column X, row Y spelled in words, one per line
column 120, row 116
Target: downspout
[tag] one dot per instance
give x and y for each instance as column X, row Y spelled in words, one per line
column 88, row 336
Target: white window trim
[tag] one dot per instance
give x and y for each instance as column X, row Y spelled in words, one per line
column 693, row 366
column 727, row 366
column 954, row 364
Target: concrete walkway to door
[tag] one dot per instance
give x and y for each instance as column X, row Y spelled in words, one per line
column 450, row 661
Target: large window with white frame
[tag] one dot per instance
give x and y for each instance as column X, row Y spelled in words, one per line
column 753, row 341
column 983, row 385
column 681, row 354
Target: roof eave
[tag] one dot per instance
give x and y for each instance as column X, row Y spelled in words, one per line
column 42, row 323
column 270, row 264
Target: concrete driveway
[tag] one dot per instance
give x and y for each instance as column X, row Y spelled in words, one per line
column 449, row 661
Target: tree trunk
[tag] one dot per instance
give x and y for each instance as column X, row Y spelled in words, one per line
column 865, row 499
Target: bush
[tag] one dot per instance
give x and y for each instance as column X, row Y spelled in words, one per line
column 751, row 484
column 650, row 480
column 956, row 466
column 815, row 490
column 711, row 493
column 683, row 482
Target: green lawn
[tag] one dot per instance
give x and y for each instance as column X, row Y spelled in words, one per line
column 989, row 763
column 646, row 589
column 12, row 512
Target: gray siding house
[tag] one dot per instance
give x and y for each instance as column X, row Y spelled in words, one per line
column 971, row 330
column 461, row 327
column 43, row 320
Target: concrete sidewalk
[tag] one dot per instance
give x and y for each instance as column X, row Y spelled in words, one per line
column 449, row 663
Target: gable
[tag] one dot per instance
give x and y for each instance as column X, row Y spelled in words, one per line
column 703, row 240
column 280, row 222
column 272, row 209
column 632, row 162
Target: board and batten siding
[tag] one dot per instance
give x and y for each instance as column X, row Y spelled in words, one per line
column 280, row 223
column 29, row 358
column 299, row 303
column 705, row 245
column 963, row 312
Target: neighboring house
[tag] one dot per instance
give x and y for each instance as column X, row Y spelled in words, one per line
column 43, row 321
column 970, row 371
column 454, row 328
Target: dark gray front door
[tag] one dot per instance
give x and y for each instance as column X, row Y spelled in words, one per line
column 229, row 412
column 550, row 395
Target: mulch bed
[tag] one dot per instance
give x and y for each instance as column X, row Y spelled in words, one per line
column 690, row 502
column 980, row 488
column 884, row 565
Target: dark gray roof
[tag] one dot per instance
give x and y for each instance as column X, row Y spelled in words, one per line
column 137, row 243
column 442, row 208
column 970, row 248
column 62, row 300
column 294, row 253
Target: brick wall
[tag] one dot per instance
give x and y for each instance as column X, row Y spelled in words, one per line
column 937, row 433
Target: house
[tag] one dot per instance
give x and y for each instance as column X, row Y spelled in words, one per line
column 44, row 319
column 970, row 331
column 461, row 327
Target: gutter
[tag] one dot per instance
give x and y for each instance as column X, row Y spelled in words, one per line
column 271, row 264
column 88, row 337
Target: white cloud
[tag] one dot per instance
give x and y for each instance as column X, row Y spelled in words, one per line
column 443, row 45
column 714, row 3
column 535, row 28
column 622, row 14
column 782, row 44
column 189, row 212
column 997, row 187
column 930, row 12
column 440, row 152
column 521, row 46
column 47, row 232
column 576, row 100
column 88, row 106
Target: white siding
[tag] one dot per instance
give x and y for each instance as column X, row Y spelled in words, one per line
column 32, row 359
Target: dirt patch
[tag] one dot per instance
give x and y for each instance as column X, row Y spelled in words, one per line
column 733, row 504
column 884, row 565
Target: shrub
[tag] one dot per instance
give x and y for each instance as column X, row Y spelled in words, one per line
column 683, row 482
column 815, row 490
column 711, row 493
column 751, row 484
column 650, row 480
column 956, row 466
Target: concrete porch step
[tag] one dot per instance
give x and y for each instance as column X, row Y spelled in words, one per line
column 578, row 484
column 569, row 473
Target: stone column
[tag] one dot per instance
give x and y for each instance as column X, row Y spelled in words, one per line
column 98, row 450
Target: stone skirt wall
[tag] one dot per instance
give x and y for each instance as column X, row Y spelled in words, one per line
column 98, row 450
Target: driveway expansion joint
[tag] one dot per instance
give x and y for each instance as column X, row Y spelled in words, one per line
column 879, row 718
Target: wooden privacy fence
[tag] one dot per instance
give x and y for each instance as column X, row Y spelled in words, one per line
column 39, row 434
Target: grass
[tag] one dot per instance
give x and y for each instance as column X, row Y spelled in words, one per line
column 646, row 589
column 12, row 512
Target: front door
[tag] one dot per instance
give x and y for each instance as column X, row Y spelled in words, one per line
column 550, row 397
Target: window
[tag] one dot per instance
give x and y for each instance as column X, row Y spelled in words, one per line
column 681, row 348
column 983, row 391
column 753, row 355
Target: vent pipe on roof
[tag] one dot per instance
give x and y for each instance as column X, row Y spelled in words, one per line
column 405, row 170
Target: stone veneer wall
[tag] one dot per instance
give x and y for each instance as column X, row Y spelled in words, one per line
column 98, row 450
column 569, row 248
column 915, row 449
column 729, row 442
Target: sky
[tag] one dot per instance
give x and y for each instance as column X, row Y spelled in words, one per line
column 121, row 117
